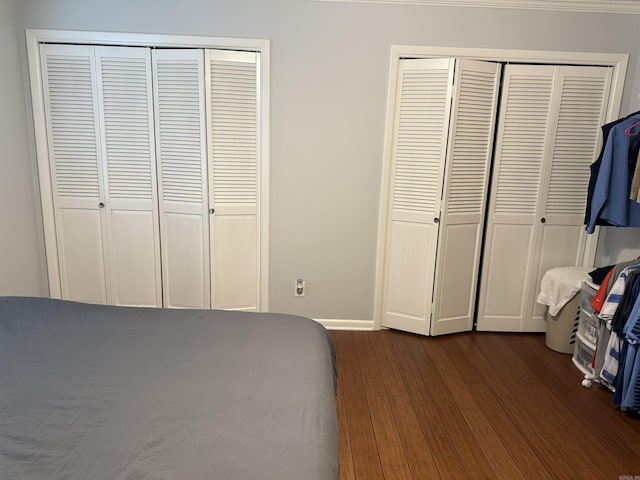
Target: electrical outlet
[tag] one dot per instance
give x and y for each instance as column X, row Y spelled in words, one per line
column 299, row 288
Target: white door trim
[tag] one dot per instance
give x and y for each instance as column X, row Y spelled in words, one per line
column 34, row 37
column 617, row 61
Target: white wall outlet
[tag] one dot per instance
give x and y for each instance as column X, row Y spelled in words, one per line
column 299, row 288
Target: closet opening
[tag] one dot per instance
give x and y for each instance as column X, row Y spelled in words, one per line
column 153, row 164
column 490, row 240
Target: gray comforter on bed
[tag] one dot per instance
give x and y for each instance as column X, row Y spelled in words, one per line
column 91, row 392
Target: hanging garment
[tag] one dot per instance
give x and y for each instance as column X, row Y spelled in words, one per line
column 627, row 393
column 600, row 354
column 609, row 199
column 634, row 194
column 615, row 295
column 631, row 388
column 595, row 170
column 620, row 378
column 624, row 310
column 612, row 358
column 598, row 275
column 601, row 294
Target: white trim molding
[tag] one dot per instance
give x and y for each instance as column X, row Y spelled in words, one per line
column 354, row 325
column 591, row 6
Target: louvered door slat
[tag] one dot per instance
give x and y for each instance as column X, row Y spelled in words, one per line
column 179, row 104
column 471, row 141
column 126, row 110
column 233, row 133
column 581, row 112
column 70, row 86
column 522, row 147
column 181, row 151
column 420, row 138
column 232, row 116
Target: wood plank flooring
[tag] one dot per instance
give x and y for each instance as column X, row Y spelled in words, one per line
column 474, row 405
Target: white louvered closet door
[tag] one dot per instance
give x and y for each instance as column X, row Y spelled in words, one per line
column 232, row 128
column 126, row 106
column 548, row 136
column 473, row 118
column 580, row 106
column 523, row 131
column 179, row 97
column 421, row 119
column 73, row 131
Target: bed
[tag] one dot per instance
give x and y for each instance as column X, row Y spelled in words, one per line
column 114, row 393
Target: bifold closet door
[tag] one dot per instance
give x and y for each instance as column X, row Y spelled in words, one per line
column 73, row 132
column 129, row 165
column 232, row 127
column 421, row 122
column 179, row 98
column 548, row 135
column 99, row 123
column 470, row 146
column 443, row 128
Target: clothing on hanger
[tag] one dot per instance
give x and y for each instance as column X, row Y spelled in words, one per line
column 608, row 200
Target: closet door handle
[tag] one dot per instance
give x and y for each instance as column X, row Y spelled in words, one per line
column 543, row 220
column 436, row 220
column 101, row 205
column 211, row 211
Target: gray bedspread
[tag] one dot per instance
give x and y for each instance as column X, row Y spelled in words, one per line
column 90, row 392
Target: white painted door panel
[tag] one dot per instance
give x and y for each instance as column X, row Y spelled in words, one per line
column 81, row 253
column 73, row 131
column 560, row 246
column 421, row 119
column 129, row 165
column 182, row 176
column 234, row 172
column 184, row 270
column 521, row 146
column 458, row 259
column 235, row 284
column 410, row 276
column 470, row 142
column 135, row 267
column 505, row 280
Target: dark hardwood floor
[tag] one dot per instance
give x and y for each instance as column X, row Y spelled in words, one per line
column 474, row 405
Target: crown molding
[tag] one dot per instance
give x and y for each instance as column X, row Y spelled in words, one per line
column 593, row 6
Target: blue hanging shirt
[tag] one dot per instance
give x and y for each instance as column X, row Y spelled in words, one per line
column 610, row 199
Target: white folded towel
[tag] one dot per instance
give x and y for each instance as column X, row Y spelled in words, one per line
column 559, row 285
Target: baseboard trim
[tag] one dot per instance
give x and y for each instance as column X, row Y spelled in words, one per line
column 338, row 324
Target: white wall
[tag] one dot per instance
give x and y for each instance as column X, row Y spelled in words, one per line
column 329, row 77
column 21, row 254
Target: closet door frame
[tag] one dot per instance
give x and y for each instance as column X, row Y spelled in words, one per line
column 35, row 37
column 618, row 62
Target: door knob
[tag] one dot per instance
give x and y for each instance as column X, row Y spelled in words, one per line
column 543, row 220
column 101, row 205
column 436, row 220
column 211, row 211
